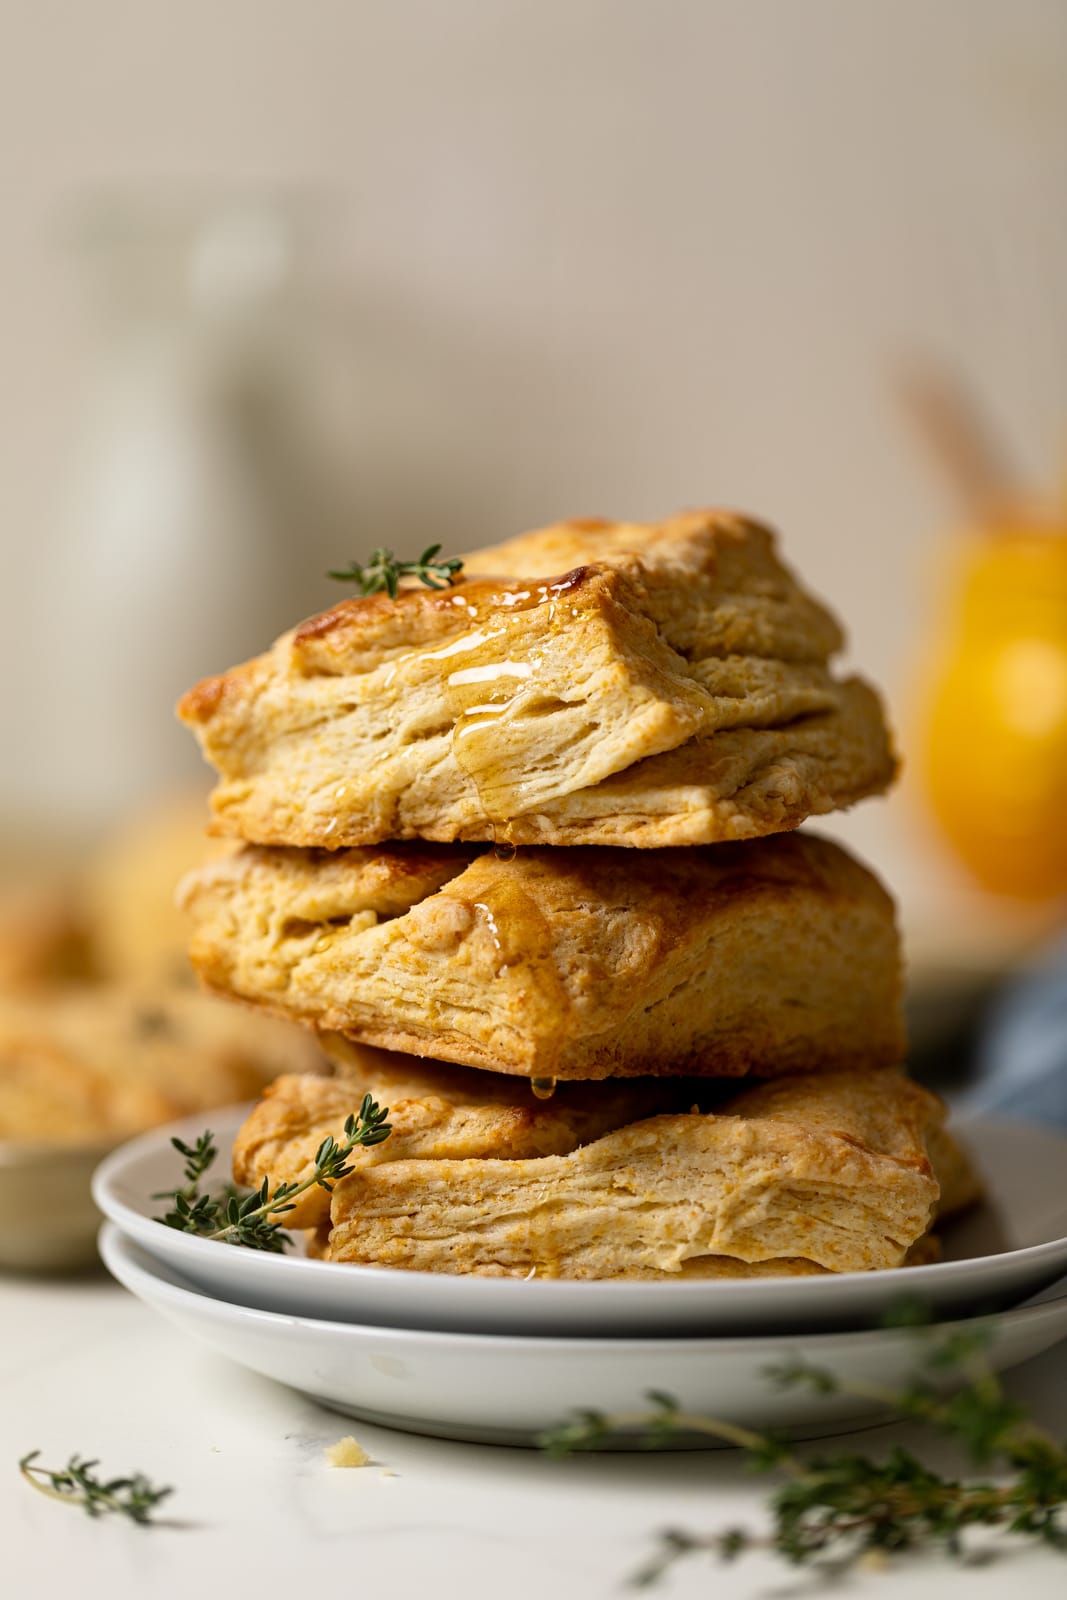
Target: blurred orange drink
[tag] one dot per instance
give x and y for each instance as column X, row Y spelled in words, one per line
column 994, row 749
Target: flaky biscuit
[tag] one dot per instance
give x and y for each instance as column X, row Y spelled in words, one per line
column 779, row 955
column 925, row 1250
column 832, row 1170
column 436, row 1113
column 671, row 687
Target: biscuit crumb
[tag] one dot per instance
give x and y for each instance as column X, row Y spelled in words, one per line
column 347, row 1452
column 874, row 1561
column 388, row 1473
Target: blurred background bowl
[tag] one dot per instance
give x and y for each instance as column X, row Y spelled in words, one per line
column 48, row 1222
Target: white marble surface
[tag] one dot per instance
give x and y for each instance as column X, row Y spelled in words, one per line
column 258, row 1511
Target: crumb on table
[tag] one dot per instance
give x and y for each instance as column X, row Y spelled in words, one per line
column 347, row 1452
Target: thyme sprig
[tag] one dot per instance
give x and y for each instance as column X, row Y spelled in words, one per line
column 836, row 1510
column 77, row 1484
column 248, row 1219
column 384, row 571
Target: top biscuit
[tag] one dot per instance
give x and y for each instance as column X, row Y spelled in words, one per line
column 591, row 683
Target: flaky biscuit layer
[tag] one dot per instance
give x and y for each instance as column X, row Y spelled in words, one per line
column 436, row 1113
column 779, row 955
column 833, row 1171
column 671, row 687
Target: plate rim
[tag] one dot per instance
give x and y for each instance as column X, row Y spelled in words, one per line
column 132, row 1221
column 112, row 1240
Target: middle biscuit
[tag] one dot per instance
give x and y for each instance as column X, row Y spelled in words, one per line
column 773, row 956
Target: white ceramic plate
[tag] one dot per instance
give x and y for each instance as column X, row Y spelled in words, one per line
column 1011, row 1248
column 499, row 1389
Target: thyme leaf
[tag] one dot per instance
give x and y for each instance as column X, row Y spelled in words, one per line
column 77, row 1484
column 250, row 1219
column 837, row 1510
column 384, row 571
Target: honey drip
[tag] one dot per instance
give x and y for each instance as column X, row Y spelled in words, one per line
column 522, row 958
column 484, row 684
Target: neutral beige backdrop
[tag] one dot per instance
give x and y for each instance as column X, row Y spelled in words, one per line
column 611, row 256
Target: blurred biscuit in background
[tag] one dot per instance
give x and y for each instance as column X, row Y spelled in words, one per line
column 94, row 1060
column 43, row 937
column 126, row 892
column 103, row 1031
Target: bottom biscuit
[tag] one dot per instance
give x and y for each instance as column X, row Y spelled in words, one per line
column 834, row 1172
column 437, row 1112
column 922, row 1253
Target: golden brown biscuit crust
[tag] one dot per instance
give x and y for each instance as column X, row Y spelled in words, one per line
column 436, row 1113
column 776, row 956
column 922, row 1253
column 671, row 687
column 832, row 1170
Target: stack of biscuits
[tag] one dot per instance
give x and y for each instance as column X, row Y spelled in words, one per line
column 521, row 850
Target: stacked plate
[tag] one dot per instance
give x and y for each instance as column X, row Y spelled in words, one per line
column 500, row 1360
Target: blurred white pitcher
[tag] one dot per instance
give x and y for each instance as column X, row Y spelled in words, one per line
column 192, row 492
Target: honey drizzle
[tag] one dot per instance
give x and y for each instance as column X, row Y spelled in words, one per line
column 509, row 919
column 488, row 684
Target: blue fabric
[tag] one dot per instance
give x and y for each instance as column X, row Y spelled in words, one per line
column 1021, row 1068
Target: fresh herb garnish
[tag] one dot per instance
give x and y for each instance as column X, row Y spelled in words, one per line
column 76, row 1484
column 836, row 1510
column 384, row 571
column 234, row 1218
